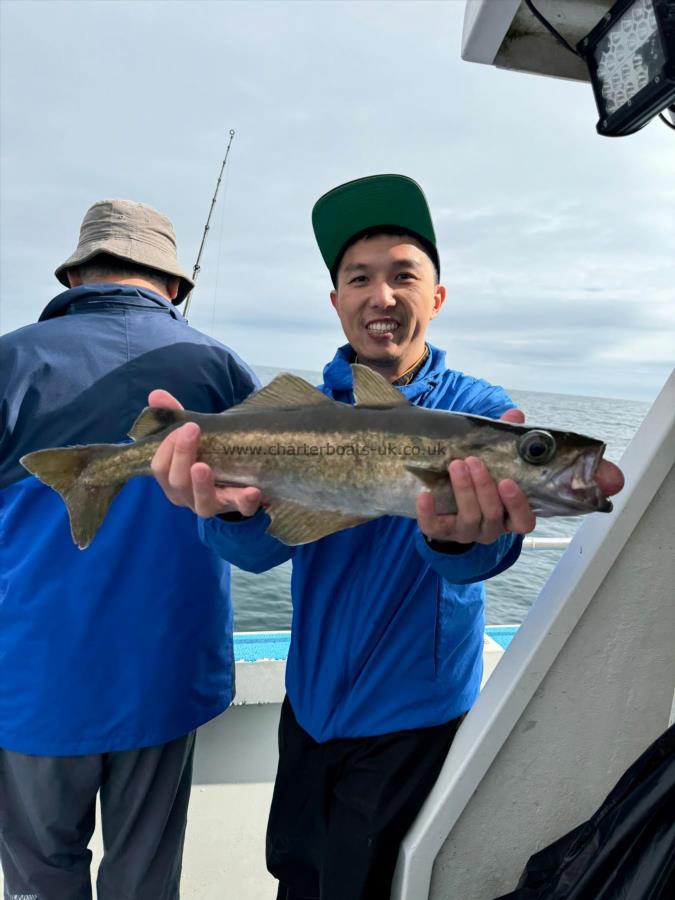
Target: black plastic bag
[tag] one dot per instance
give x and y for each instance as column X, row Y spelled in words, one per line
column 625, row 851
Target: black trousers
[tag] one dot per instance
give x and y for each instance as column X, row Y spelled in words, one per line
column 340, row 809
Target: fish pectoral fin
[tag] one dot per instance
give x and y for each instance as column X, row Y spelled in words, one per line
column 439, row 486
column 431, row 478
column 284, row 392
column 292, row 523
column 371, row 389
column 155, row 419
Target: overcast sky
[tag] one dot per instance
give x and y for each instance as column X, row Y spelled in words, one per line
column 556, row 244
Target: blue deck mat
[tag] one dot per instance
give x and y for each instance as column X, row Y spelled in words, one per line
column 251, row 646
column 248, row 647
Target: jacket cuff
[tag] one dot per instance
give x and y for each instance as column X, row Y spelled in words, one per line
column 233, row 523
column 449, row 548
column 477, row 563
column 234, row 516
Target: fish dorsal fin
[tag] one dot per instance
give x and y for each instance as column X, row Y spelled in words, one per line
column 284, row 392
column 371, row 389
column 155, row 419
column 292, row 523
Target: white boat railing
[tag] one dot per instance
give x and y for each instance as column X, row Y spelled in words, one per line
column 542, row 543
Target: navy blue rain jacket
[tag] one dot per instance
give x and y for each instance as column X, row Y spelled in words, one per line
column 129, row 643
column 387, row 633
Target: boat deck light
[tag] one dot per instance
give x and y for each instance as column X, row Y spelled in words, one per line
column 630, row 56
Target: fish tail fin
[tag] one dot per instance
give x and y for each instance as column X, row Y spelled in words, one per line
column 65, row 470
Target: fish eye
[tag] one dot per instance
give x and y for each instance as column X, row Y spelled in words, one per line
column 537, row 447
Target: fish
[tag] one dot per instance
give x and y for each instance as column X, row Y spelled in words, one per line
column 323, row 466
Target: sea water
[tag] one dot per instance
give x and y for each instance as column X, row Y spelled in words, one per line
column 262, row 602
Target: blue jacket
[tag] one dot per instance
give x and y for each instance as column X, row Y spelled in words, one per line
column 387, row 633
column 128, row 643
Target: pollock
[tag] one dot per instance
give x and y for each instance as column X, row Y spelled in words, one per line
column 323, row 466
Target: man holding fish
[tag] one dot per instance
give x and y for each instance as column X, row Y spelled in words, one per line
column 388, row 617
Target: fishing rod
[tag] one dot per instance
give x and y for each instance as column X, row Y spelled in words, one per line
column 197, row 267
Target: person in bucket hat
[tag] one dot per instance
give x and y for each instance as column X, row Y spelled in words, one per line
column 388, row 617
column 125, row 231
column 110, row 658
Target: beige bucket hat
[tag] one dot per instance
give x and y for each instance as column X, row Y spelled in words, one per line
column 131, row 231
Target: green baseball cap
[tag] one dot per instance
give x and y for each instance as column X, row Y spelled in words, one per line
column 387, row 201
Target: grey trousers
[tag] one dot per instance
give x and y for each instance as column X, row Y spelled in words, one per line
column 47, row 816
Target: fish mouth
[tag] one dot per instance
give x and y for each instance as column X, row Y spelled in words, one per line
column 573, row 490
